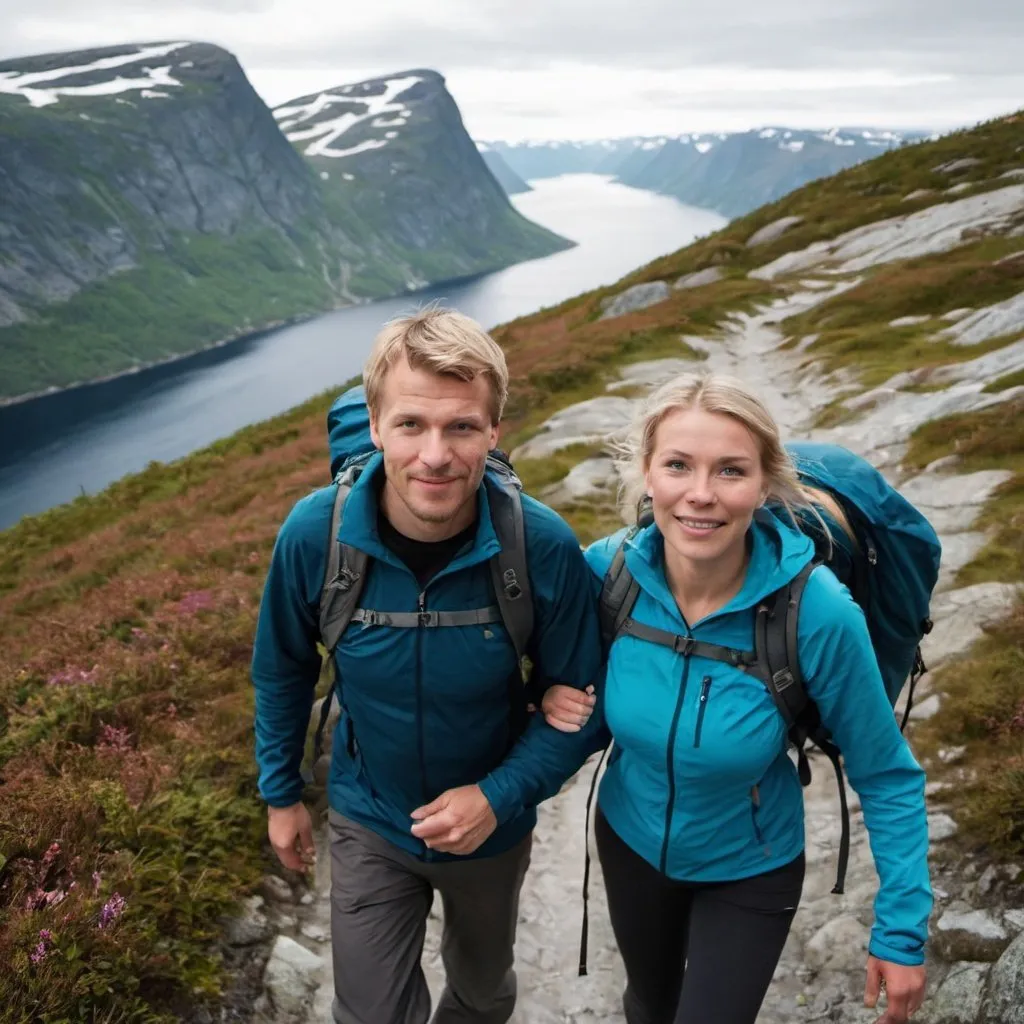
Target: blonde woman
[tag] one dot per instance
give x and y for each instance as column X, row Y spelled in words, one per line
column 700, row 812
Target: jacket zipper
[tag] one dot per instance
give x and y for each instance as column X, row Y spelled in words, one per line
column 670, row 762
column 705, row 688
column 421, row 603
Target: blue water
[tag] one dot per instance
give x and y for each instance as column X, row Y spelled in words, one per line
column 79, row 441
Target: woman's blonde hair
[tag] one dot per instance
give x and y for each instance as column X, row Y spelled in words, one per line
column 441, row 341
column 727, row 396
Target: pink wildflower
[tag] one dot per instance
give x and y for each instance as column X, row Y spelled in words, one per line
column 51, row 854
column 42, row 950
column 194, row 601
column 112, row 910
column 114, row 739
column 73, row 677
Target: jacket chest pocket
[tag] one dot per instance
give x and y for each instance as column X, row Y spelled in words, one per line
column 702, row 706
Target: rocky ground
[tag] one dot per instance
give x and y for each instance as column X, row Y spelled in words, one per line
column 977, row 950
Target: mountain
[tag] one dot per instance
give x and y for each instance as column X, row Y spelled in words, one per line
column 504, row 175
column 731, row 173
column 736, row 173
column 549, row 159
column 152, row 207
column 394, row 150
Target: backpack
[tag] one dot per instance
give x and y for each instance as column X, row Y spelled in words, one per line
column 894, row 570
column 348, row 425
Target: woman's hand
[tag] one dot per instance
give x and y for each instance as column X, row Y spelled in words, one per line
column 566, row 708
column 904, row 989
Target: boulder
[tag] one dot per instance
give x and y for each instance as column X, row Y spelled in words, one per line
column 839, row 945
column 290, row 977
column 994, row 321
column 275, row 888
column 1003, row 999
column 958, row 999
column 970, row 935
column 970, row 609
column 709, row 275
column 587, row 480
column 772, row 231
column 650, row 373
column 918, row 193
column 640, row 296
column 956, row 166
column 589, row 422
column 909, row 321
column 991, row 366
column 250, row 927
column 940, row 826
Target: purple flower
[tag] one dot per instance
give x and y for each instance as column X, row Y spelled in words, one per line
column 114, row 738
column 42, row 950
column 112, row 910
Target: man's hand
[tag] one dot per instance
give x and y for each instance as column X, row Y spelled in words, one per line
column 458, row 821
column 904, row 989
column 291, row 835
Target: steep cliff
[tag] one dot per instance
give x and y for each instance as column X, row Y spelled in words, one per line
column 511, row 182
column 152, row 206
column 395, row 151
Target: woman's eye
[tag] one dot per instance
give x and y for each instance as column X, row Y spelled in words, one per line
column 677, row 465
column 732, row 471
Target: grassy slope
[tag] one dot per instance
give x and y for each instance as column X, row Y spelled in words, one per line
column 126, row 622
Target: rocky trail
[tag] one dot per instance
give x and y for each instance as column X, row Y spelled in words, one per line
column 821, row 974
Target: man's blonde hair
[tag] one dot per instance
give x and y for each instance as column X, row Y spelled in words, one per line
column 440, row 341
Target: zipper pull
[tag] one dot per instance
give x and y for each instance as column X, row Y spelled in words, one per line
column 704, row 689
column 421, row 601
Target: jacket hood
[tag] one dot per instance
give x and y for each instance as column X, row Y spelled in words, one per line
column 348, row 427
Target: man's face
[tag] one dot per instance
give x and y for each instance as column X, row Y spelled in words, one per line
column 435, row 432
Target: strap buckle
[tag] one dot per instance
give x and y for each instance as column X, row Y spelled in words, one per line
column 428, row 619
column 344, row 581
column 510, row 584
column 783, row 679
column 684, row 645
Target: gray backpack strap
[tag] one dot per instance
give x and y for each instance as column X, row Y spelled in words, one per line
column 344, row 576
column 509, row 572
column 343, row 582
column 619, row 592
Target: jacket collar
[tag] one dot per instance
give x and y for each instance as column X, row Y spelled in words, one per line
column 778, row 551
column 359, row 522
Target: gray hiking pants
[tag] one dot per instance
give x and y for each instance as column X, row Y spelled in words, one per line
column 380, row 899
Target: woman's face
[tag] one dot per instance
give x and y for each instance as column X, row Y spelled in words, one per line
column 705, row 481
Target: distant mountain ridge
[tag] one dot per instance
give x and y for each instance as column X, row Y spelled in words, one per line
column 731, row 173
column 153, row 207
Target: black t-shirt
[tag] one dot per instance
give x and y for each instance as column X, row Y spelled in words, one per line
column 425, row 558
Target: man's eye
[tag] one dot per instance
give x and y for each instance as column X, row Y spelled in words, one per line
column 407, row 424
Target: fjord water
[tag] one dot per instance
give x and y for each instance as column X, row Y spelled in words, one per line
column 79, row 441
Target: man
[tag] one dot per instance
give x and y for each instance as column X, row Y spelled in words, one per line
column 434, row 776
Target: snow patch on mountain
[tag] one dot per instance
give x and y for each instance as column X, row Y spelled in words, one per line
column 301, row 122
column 31, row 85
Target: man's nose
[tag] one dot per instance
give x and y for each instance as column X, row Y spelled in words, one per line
column 436, row 452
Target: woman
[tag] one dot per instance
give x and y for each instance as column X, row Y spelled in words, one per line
column 700, row 812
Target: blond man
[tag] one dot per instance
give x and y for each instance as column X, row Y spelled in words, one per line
column 436, row 769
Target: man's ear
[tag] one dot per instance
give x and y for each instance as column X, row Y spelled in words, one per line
column 492, row 442
column 374, row 433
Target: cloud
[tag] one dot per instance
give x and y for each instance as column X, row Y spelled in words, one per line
column 563, row 65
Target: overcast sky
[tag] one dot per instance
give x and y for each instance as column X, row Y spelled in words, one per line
column 597, row 68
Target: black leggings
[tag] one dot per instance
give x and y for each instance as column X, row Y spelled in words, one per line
column 695, row 953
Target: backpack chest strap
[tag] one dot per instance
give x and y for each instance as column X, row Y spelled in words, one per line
column 428, row 620
column 687, row 644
